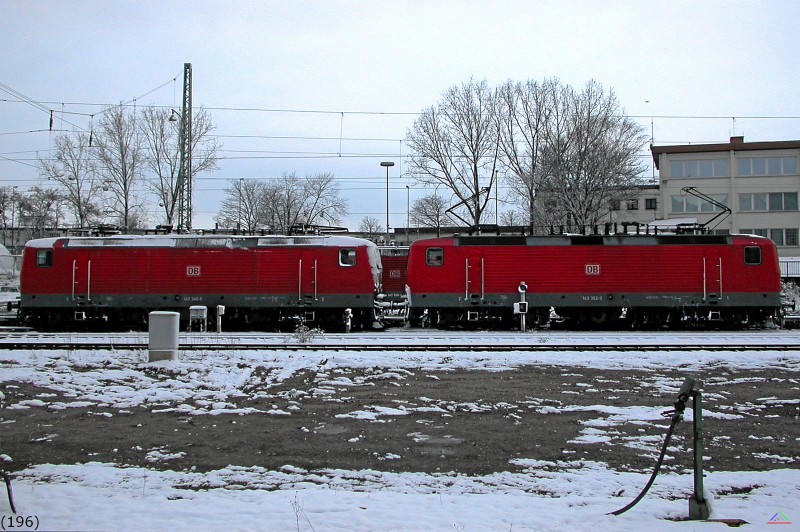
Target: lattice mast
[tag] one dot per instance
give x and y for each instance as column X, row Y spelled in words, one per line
column 185, row 140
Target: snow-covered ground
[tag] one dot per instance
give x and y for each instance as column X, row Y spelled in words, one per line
column 536, row 496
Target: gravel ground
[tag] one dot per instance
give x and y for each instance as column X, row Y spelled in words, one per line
column 470, row 422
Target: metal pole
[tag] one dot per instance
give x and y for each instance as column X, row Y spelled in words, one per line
column 387, row 165
column 185, row 140
column 239, row 216
column 408, row 214
column 13, row 210
column 496, row 205
column 698, row 505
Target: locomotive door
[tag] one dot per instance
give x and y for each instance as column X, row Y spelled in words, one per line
column 307, row 278
column 712, row 276
column 474, row 286
column 82, row 278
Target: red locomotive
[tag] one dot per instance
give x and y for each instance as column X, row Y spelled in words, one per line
column 653, row 280
column 257, row 282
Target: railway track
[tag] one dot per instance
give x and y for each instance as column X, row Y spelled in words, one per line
column 353, row 343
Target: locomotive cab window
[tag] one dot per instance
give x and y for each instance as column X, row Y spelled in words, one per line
column 752, row 255
column 44, row 258
column 434, row 256
column 347, row 257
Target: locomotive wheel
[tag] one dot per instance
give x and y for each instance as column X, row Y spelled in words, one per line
column 53, row 319
column 542, row 317
column 598, row 317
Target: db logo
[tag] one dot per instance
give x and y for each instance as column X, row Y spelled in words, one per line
column 193, row 271
column 394, row 274
column 592, row 269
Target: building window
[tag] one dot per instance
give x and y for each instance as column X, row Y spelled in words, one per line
column 632, row 205
column 615, row 205
column 757, row 232
column 774, row 201
column 783, row 201
column 791, row 237
column 753, row 202
column 781, row 237
column 651, row 204
column 789, row 165
column 761, row 166
column 777, row 236
column 699, row 168
column 693, row 204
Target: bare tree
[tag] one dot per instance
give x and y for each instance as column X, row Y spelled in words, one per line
column 289, row 201
column 323, row 201
column 596, row 163
column 370, row 227
column 9, row 205
column 120, row 157
column 44, row 208
column 6, row 206
column 72, row 167
column 245, row 205
column 430, row 211
column 455, row 143
column 162, row 153
column 524, row 113
column 569, row 155
column 313, row 200
column 512, row 218
column 282, row 203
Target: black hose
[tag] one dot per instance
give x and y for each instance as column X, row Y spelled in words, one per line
column 675, row 419
column 7, row 480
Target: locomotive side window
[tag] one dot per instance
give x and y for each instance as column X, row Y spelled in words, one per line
column 752, row 255
column 347, row 257
column 44, row 257
column 434, row 256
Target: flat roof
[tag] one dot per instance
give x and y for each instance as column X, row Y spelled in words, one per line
column 736, row 143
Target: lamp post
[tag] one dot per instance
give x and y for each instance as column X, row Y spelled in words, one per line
column 438, row 210
column 652, row 139
column 184, row 185
column 13, row 210
column 387, row 165
column 408, row 215
column 239, row 216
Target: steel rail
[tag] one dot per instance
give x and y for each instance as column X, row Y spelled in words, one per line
column 449, row 347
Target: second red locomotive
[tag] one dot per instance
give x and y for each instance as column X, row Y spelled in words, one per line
column 656, row 280
column 260, row 282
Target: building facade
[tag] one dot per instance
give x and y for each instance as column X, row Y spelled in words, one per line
column 758, row 181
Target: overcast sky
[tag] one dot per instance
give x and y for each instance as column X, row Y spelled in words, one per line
column 349, row 77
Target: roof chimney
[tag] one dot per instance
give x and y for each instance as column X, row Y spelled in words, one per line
column 737, row 140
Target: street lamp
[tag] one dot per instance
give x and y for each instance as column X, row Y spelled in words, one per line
column 652, row 139
column 13, row 210
column 438, row 210
column 239, row 216
column 408, row 214
column 183, row 188
column 387, row 165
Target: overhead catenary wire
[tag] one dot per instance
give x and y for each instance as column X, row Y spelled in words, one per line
column 265, row 155
column 399, row 113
